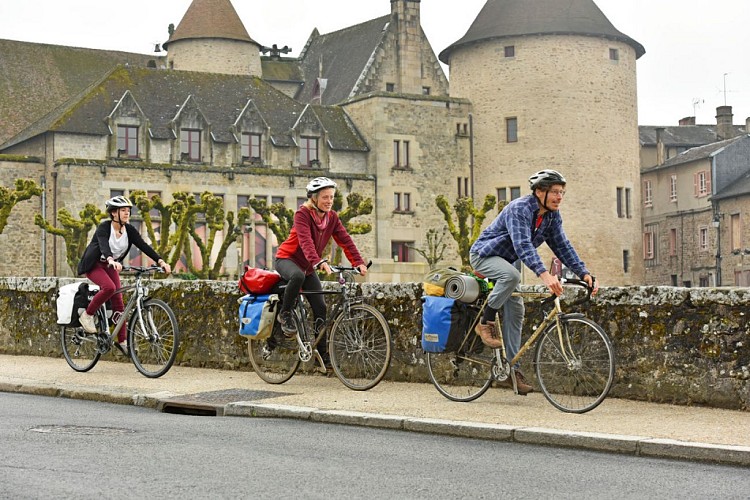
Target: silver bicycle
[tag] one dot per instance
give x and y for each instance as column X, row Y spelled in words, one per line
column 153, row 335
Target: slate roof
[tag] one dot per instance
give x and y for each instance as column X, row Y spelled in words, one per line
column 35, row 78
column 345, row 55
column 737, row 188
column 513, row 18
column 210, row 19
column 697, row 153
column 682, row 135
column 162, row 93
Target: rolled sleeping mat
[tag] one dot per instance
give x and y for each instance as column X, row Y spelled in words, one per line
column 462, row 288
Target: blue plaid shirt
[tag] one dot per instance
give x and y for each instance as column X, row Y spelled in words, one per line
column 512, row 236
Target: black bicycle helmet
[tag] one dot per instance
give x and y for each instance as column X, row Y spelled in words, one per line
column 117, row 202
column 319, row 183
column 546, row 178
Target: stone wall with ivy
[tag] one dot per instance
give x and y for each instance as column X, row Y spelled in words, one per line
column 673, row 345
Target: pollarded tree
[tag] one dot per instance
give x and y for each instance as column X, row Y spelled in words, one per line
column 212, row 208
column 277, row 217
column 436, row 247
column 24, row 190
column 356, row 206
column 75, row 232
column 464, row 235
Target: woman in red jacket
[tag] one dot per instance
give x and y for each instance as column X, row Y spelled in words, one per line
column 297, row 258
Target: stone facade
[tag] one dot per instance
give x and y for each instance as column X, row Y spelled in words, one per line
column 575, row 111
column 212, row 55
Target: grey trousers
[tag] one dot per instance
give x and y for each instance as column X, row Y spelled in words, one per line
column 507, row 280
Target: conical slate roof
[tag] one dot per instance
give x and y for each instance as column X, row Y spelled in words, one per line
column 210, row 19
column 512, row 18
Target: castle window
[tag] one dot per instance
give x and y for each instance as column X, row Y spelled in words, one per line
column 625, row 261
column 308, row 150
column 648, row 200
column 425, row 90
column 251, row 146
column 648, row 244
column 736, row 232
column 510, row 51
column 614, row 55
column 702, row 183
column 673, row 242
column 703, row 238
column 515, row 192
column 511, row 129
column 127, row 141
column 401, row 154
column 501, row 195
column 402, row 202
column 673, row 188
column 623, row 202
column 463, row 187
column 401, row 251
column 390, row 87
column 190, row 144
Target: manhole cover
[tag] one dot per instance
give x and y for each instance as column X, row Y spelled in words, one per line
column 80, row 429
column 226, row 396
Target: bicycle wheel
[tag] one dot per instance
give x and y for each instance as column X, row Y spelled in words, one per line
column 575, row 367
column 81, row 349
column 153, row 342
column 359, row 345
column 275, row 359
column 464, row 375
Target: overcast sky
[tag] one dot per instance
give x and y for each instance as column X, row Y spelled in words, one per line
column 696, row 50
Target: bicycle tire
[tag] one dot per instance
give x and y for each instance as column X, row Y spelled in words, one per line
column 359, row 345
column 275, row 359
column 575, row 379
column 153, row 345
column 80, row 349
column 465, row 375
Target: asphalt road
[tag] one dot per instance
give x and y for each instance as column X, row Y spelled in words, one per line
column 53, row 447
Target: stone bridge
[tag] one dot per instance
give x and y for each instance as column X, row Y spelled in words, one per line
column 674, row 345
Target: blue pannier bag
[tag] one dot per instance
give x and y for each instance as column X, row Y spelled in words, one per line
column 257, row 315
column 444, row 323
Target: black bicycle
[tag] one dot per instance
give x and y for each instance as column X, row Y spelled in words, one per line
column 359, row 340
column 153, row 335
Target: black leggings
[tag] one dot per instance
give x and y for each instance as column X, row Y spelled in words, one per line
column 296, row 280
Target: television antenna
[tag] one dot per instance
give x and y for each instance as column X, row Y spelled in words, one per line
column 696, row 104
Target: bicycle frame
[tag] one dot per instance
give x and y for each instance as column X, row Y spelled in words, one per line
column 135, row 301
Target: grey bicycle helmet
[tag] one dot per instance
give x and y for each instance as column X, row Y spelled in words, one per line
column 319, row 183
column 117, row 202
column 546, row 178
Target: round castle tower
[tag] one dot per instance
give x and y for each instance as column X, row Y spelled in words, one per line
column 553, row 85
column 211, row 38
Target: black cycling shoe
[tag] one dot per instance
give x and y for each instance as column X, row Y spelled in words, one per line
column 287, row 324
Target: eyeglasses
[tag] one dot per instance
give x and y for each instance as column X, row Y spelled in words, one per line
column 557, row 192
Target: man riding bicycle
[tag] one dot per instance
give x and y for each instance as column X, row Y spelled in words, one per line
column 511, row 240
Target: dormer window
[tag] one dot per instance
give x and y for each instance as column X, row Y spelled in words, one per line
column 190, row 145
column 251, row 146
column 127, row 141
column 308, row 151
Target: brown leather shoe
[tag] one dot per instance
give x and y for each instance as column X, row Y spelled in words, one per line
column 487, row 333
column 522, row 384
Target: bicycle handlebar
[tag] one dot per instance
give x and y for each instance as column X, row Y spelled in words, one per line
column 341, row 269
column 143, row 269
column 575, row 282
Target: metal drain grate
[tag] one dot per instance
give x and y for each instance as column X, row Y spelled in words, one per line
column 81, row 430
column 211, row 404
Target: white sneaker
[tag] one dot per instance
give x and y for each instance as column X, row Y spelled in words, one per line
column 87, row 322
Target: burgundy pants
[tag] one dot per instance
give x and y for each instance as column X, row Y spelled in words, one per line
column 108, row 280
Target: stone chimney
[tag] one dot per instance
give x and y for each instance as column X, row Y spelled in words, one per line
column 405, row 15
column 724, row 125
column 660, row 150
column 688, row 120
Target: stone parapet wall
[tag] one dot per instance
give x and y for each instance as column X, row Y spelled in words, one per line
column 673, row 345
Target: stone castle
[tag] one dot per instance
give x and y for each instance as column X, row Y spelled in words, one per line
column 533, row 84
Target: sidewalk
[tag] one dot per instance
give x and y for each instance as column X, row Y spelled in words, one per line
column 622, row 426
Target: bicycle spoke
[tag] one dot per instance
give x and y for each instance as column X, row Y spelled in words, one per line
column 360, row 347
column 274, row 360
column 576, row 374
column 80, row 349
column 154, row 338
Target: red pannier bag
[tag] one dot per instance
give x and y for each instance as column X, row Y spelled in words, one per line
column 258, row 281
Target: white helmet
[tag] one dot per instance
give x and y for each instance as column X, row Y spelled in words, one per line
column 117, row 202
column 546, row 178
column 319, row 183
